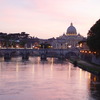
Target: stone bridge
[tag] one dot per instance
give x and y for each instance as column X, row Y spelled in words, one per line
column 43, row 53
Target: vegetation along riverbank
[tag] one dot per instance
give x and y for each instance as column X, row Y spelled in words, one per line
column 92, row 68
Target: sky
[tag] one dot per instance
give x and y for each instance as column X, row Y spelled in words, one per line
column 48, row 18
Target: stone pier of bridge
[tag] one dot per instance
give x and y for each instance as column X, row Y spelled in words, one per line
column 43, row 53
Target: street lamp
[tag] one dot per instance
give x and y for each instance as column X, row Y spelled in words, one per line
column 33, row 46
column 69, row 46
column 17, row 46
column 77, row 46
column 80, row 45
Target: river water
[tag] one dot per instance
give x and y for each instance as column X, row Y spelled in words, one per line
column 46, row 80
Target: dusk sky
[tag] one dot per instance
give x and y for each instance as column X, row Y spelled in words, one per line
column 48, row 18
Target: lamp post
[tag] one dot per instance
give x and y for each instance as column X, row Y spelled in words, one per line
column 69, row 46
column 17, row 46
column 0, row 46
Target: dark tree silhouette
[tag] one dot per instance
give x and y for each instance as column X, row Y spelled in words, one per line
column 93, row 39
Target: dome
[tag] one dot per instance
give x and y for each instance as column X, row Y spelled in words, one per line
column 71, row 30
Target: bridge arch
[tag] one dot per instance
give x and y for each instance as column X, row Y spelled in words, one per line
column 71, row 54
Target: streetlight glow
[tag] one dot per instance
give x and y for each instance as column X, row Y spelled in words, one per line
column 69, row 46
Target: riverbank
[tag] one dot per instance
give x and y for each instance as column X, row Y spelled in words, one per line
column 92, row 68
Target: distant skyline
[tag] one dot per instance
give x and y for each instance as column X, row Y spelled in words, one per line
column 48, row 18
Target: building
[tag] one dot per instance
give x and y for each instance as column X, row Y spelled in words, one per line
column 68, row 40
column 83, row 44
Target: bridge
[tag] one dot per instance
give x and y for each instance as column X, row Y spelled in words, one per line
column 43, row 53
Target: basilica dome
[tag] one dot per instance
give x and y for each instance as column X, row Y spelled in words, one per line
column 71, row 30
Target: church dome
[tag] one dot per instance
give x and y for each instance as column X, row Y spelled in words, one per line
column 71, row 30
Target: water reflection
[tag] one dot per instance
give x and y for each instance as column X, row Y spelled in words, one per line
column 95, row 87
column 46, row 80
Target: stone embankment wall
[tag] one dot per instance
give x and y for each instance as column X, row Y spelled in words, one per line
column 95, row 60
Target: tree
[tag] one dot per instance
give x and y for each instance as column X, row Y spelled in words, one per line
column 93, row 39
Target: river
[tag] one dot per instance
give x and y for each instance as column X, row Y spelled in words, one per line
column 46, row 80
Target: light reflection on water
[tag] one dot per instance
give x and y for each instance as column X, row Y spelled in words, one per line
column 46, row 80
